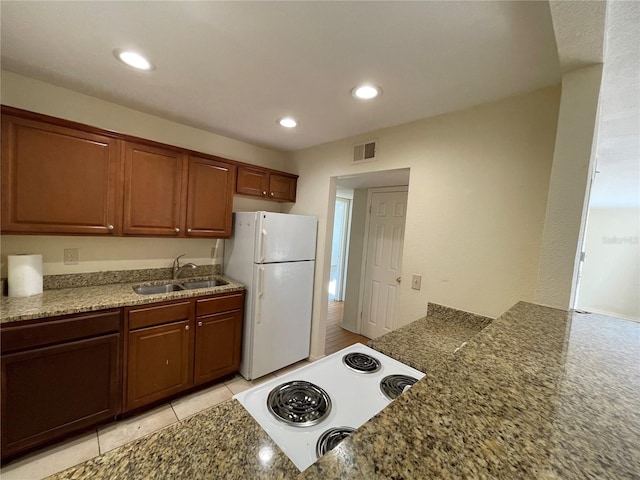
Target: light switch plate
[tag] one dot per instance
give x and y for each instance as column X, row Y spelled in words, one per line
column 416, row 281
column 71, row 256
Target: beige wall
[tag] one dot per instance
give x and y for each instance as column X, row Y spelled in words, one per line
column 568, row 196
column 476, row 205
column 610, row 282
column 96, row 253
column 29, row 94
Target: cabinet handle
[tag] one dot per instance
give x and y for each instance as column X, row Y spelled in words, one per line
column 186, row 327
column 272, row 194
column 199, row 324
column 188, row 230
column 177, row 230
column 110, row 227
column 264, row 193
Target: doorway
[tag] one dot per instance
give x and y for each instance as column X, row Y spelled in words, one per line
column 341, row 223
column 345, row 304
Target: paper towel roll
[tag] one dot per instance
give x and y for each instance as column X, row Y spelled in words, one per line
column 24, row 275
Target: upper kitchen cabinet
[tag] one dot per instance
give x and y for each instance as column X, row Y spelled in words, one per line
column 252, row 181
column 282, row 187
column 62, row 177
column 209, row 198
column 58, row 180
column 259, row 182
column 153, row 190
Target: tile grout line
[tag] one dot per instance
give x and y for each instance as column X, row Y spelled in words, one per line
column 98, row 439
column 174, row 412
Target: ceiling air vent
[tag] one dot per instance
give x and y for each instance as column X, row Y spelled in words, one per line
column 365, row 152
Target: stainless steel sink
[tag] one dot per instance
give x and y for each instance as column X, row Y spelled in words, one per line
column 151, row 289
column 177, row 287
column 203, row 284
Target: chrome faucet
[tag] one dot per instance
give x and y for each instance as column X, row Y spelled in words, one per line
column 177, row 269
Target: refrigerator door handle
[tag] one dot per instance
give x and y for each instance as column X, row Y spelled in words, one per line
column 263, row 244
column 260, row 287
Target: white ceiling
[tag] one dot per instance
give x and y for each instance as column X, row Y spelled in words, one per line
column 590, row 32
column 579, row 28
column 618, row 148
column 235, row 67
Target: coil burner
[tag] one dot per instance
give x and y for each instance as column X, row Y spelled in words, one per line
column 331, row 438
column 299, row 403
column 393, row 385
column 361, row 362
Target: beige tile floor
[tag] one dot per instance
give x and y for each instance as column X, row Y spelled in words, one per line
column 47, row 461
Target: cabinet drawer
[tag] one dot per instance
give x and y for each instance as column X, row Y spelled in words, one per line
column 222, row 303
column 157, row 315
column 59, row 330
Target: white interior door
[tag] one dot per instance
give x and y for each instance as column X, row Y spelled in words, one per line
column 383, row 263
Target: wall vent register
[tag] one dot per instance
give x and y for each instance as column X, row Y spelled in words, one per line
column 365, row 152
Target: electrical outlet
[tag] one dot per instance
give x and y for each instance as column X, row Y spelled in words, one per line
column 416, row 280
column 71, row 256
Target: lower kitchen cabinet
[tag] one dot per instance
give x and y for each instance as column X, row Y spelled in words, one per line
column 58, row 377
column 174, row 346
column 158, row 363
column 218, row 345
column 62, row 375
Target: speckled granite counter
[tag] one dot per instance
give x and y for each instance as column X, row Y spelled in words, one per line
column 537, row 394
column 222, row 442
column 65, row 301
column 429, row 342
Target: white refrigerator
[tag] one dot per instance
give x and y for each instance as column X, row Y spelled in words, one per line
column 273, row 254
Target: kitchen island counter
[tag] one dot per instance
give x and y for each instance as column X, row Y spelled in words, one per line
column 539, row 393
column 429, row 342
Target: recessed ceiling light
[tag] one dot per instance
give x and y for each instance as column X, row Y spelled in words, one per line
column 287, row 122
column 133, row 59
column 366, row 91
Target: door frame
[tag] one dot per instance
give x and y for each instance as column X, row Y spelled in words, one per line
column 365, row 250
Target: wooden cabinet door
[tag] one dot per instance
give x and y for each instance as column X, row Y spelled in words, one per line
column 58, row 389
column 218, row 345
column 58, row 180
column 153, row 190
column 158, row 363
column 210, row 198
column 282, row 188
column 252, row 181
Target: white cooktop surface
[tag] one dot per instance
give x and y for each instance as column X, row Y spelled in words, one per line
column 355, row 397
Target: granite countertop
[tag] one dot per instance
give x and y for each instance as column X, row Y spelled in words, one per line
column 64, row 301
column 222, row 442
column 539, row 393
column 429, row 342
